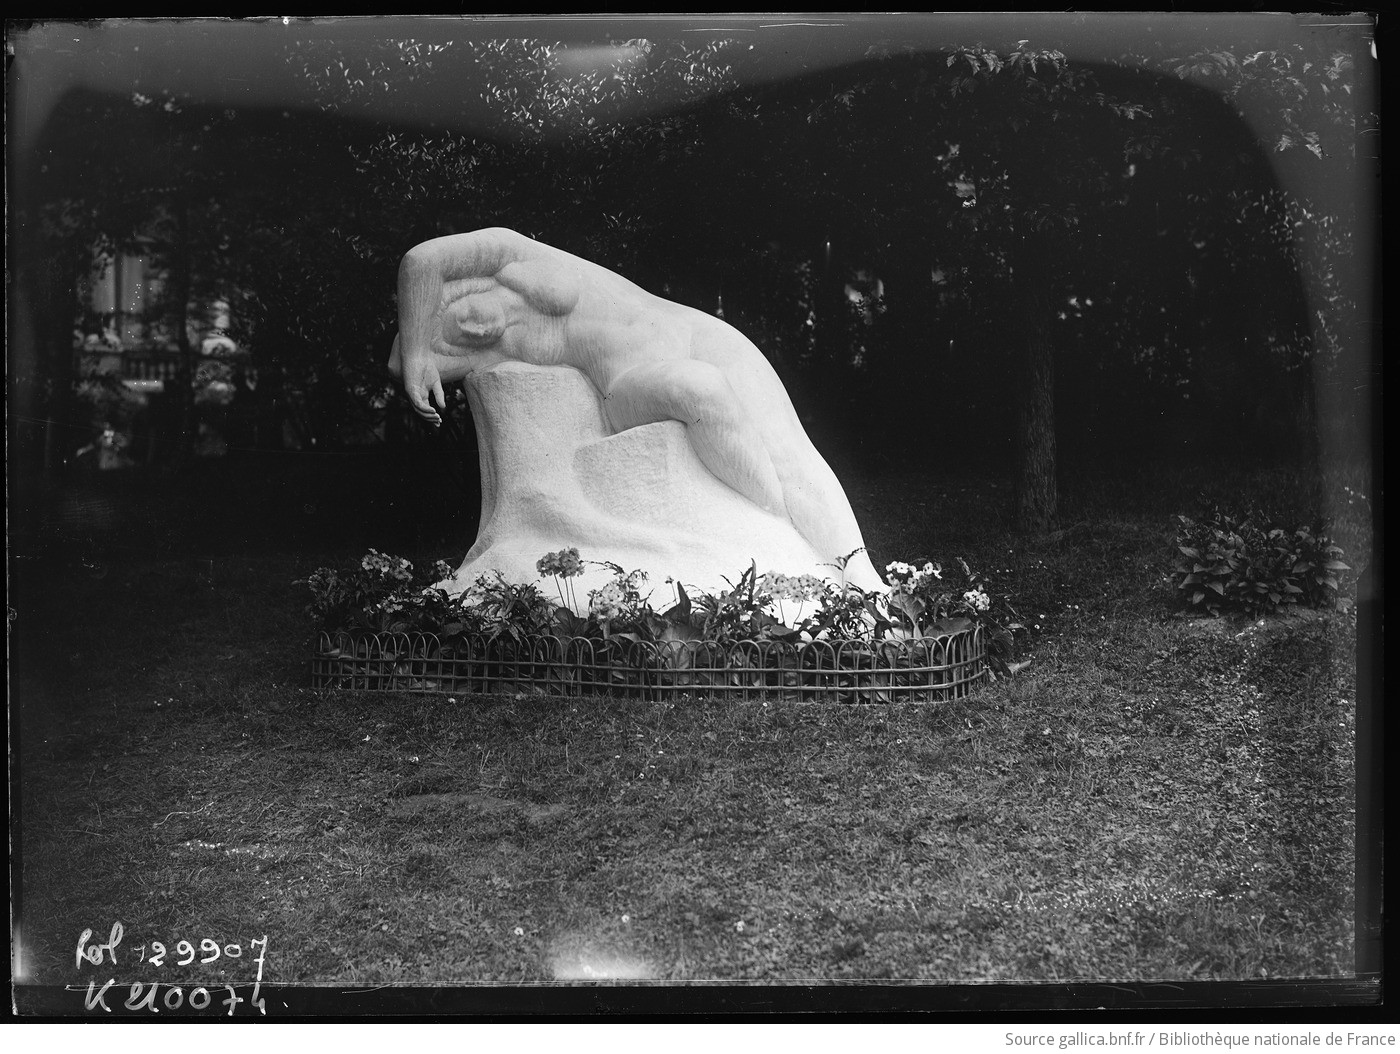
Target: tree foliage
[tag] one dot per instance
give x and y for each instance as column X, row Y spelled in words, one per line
column 1117, row 224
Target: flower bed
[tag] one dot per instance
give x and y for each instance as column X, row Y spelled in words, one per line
column 382, row 626
column 924, row 669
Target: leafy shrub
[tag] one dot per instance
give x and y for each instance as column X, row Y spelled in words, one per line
column 1249, row 563
column 495, row 608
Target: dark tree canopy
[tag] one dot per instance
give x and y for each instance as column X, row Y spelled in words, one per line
column 1001, row 248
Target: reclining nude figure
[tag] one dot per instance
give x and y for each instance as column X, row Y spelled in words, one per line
column 470, row 301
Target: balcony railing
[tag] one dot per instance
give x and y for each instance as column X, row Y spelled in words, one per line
column 150, row 369
column 129, row 365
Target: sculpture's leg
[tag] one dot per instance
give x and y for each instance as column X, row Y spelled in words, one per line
column 396, row 360
column 821, row 512
column 696, row 393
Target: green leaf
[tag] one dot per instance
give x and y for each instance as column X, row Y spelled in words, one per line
column 681, row 611
column 949, row 625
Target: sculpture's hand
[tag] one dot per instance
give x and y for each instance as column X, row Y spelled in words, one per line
column 422, row 381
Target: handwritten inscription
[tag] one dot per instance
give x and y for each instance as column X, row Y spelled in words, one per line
column 98, row 953
column 153, row 996
column 209, row 951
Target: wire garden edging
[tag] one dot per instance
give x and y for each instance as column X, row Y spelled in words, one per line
column 923, row 669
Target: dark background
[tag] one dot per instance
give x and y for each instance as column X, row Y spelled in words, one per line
column 1100, row 242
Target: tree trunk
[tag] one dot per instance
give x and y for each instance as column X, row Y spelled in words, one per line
column 267, row 424
column 54, row 374
column 831, row 339
column 1036, row 490
column 184, row 281
column 44, row 423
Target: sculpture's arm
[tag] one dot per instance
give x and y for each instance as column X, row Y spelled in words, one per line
column 421, row 379
column 450, row 371
column 420, row 293
column 424, row 272
column 458, row 297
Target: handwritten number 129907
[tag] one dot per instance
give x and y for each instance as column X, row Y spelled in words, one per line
column 210, row 948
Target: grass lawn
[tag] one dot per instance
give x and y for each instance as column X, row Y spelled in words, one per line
column 1152, row 798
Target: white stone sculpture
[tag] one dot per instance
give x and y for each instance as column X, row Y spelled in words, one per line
column 641, row 431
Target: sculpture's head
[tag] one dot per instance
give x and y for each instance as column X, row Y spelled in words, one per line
column 509, row 313
column 479, row 311
column 487, row 297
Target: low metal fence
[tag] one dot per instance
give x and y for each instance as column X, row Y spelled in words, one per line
column 925, row 669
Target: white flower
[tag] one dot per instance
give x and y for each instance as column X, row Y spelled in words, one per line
column 605, row 603
column 566, row 563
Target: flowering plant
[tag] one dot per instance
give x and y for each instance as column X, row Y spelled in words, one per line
column 617, row 605
column 563, row 565
column 910, row 590
column 792, row 593
column 384, row 594
column 923, row 603
column 741, row 613
column 621, row 599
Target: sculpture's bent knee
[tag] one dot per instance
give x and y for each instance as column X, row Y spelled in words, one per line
column 699, row 395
